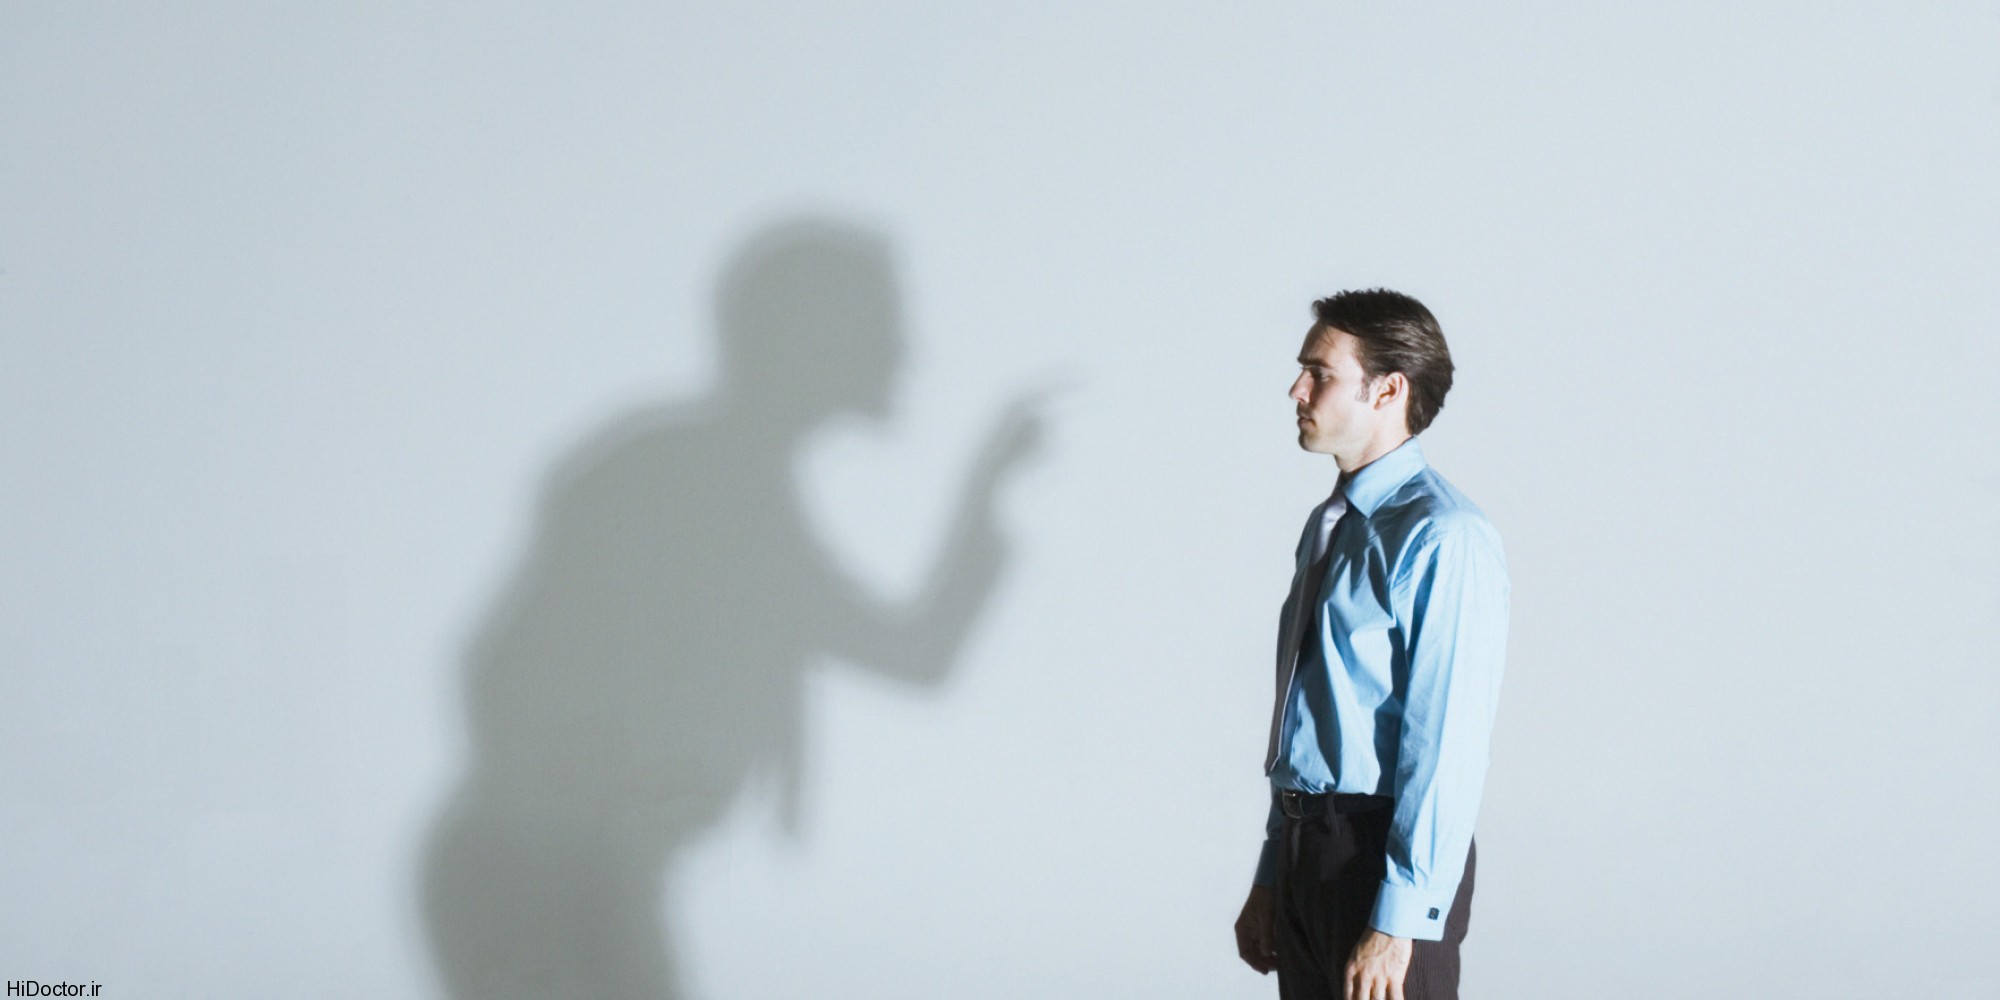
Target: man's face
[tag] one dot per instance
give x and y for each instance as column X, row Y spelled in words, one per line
column 1335, row 411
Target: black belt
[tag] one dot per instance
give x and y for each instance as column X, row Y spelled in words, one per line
column 1299, row 805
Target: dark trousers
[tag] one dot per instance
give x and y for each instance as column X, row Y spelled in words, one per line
column 1328, row 870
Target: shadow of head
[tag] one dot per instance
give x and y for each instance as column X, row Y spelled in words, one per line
column 810, row 320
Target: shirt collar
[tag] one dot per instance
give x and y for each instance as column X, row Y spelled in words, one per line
column 1373, row 483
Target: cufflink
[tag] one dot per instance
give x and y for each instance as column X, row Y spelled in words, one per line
column 1434, row 913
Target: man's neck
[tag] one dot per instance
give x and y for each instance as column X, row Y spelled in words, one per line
column 1376, row 448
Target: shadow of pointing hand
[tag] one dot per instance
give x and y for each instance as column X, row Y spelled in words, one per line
column 1017, row 436
column 974, row 546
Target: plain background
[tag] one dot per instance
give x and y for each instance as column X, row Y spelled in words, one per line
column 300, row 305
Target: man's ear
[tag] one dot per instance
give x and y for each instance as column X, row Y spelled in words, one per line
column 1388, row 389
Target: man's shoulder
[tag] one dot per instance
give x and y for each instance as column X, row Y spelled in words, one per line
column 1429, row 507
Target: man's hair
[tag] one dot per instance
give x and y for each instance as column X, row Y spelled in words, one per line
column 1397, row 334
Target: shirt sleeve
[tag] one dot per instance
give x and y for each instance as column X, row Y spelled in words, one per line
column 1456, row 651
column 1267, row 859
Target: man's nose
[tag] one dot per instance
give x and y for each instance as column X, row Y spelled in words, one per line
column 1298, row 392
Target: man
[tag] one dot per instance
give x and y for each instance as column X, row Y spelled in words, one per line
column 1389, row 661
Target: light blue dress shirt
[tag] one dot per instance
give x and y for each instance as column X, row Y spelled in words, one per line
column 1397, row 678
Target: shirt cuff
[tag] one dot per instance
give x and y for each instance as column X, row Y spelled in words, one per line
column 1267, row 864
column 1408, row 912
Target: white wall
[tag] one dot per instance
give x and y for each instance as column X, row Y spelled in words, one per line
column 302, row 309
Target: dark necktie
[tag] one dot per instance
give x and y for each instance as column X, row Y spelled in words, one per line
column 1304, row 603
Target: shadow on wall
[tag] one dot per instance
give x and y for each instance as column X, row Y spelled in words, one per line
column 649, row 658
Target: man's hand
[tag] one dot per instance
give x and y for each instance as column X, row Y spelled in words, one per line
column 1376, row 970
column 1257, row 929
